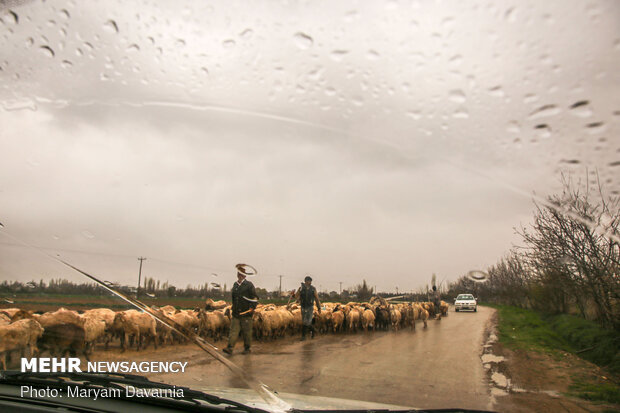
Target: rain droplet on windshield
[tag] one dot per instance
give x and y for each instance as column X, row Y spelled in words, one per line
column 595, row 127
column 513, row 127
column 246, row 34
column 496, row 92
column 457, row 96
column 414, row 114
column 133, row 48
column 111, row 26
column 460, row 114
column 581, row 109
column 87, row 234
column 229, row 43
column 544, row 131
column 47, row 51
column 12, row 17
column 338, row 55
column 372, row 55
column 303, row 41
column 545, row 111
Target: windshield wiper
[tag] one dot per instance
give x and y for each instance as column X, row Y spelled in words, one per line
column 187, row 399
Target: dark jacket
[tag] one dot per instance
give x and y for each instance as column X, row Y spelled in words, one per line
column 240, row 304
column 306, row 295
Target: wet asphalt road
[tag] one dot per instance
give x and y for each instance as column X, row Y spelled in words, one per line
column 436, row 367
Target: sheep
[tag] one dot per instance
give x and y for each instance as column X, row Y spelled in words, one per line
column 368, row 320
column 21, row 335
column 132, row 323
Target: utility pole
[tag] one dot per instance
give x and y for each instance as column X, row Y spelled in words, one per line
column 340, row 288
column 396, row 290
column 280, row 284
column 139, row 276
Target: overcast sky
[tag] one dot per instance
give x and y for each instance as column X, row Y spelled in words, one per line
column 383, row 141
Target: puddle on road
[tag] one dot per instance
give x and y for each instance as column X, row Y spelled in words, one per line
column 492, row 358
column 498, row 392
column 500, row 380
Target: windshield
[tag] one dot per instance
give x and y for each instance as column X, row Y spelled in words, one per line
column 381, row 148
column 465, row 297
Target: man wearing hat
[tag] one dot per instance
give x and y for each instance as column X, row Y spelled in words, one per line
column 307, row 296
column 244, row 301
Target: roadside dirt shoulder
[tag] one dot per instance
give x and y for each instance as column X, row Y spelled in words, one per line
column 528, row 381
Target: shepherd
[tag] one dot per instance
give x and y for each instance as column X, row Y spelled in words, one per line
column 244, row 302
column 308, row 297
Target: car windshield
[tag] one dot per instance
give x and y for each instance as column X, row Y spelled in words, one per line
column 465, row 297
column 381, row 148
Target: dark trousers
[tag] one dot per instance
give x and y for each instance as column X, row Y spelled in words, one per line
column 240, row 325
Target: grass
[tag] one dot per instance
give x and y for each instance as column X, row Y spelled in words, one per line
column 592, row 342
column 607, row 392
column 554, row 334
column 528, row 330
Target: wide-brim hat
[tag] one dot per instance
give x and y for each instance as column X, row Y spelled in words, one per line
column 246, row 269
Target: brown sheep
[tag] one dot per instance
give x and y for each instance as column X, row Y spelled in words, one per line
column 21, row 335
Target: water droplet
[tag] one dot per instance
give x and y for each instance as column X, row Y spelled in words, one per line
column 350, row 16
column 338, row 55
column 581, row 109
column 496, row 92
column 64, row 14
column 133, row 48
column 205, row 70
column 513, row 127
column 457, row 96
column 229, row 43
column 330, row 91
column 530, row 98
column 12, row 17
column 544, row 131
column 179, row 43
column 303, row 41
column 614, row 164
column 456, row 60
column 56, row 237
column 47, row 51
column 358, row 101
column 595, row 127
column 29, row 42
column 89, row 46
column 570, row 161
column 372, row 55
column 88, row 234
column 545, row 111
column 510, row 15
column 66, row 64
column 460, row 114
column 414, row 114
column 246, row 34
column 111, row 26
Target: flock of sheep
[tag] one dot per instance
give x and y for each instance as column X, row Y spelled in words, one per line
column 67, row 331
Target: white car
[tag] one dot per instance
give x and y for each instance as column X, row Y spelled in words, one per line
column 465, row 302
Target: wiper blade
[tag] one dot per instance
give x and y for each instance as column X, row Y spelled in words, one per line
column 192, row 399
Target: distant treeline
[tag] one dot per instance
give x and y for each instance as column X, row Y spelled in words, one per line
column 569, row 263
column 155, row 288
